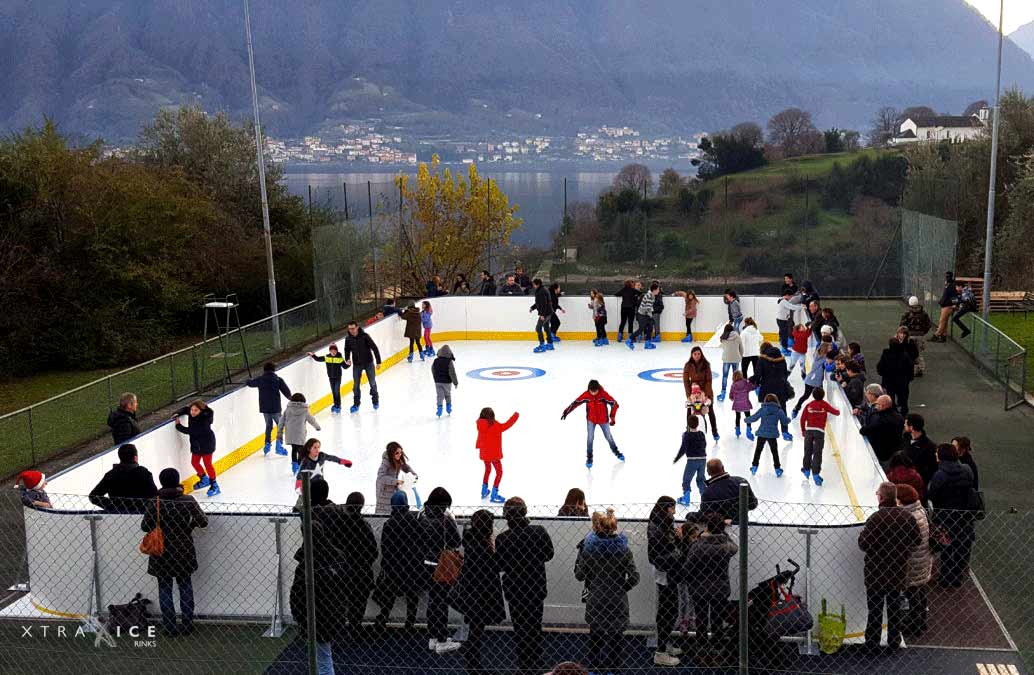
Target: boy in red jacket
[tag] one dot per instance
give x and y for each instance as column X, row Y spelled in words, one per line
column 813, row 426
column 600, row 411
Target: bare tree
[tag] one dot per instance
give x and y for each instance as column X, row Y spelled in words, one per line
column 851, row 140
column 884, row 126
column 669, row 183
column 635, row 176
column 748, row 132
column 975, row 107
column 917, row 112
column 793, row 131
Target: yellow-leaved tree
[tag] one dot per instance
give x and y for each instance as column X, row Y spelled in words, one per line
column 451, row 225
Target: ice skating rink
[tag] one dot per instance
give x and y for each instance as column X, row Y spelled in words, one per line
column 544, row 456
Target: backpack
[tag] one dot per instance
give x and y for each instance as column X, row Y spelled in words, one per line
column 967, row 300
column 133, row 614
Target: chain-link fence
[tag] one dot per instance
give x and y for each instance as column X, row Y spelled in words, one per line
column 1001, row 356
column 264, row 588
column 927, row 252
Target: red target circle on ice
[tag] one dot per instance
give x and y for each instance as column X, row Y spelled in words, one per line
column 506, row 373
column 674, row 375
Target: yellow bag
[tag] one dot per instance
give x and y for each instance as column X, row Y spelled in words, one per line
column 832, row 628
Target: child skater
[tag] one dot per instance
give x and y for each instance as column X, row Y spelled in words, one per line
column 732, row 355
column 699, row 404
column 443, row 372
column 412, row 318
column 600, row 410
column 750, row 338
column 490, row 445
column 740, row 395
column 335, row 363
column 296, row 416
column 313, row 461
column 202, row 443
column 694, row 448
column 599, row 317
column 799, row 351
column 813, row 426
column 425, row 321
column 769, row 418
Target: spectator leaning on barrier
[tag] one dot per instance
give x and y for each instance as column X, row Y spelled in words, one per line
column 523, row 551
column 353, row 538
column 707, row 562
column 883, row 429
column 665, row 553
column 901, row 471
column 574, row 505
column 327, row 583
column 722, row 492
column 888, row 539
column 122, row 421
column 510, row 287
column 951, row 494
column 440, row 534
column 479, row 592
column 487, row 286
column 126, row 486
column 402, row 562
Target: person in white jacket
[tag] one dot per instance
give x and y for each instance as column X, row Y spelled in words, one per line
column 732, row 354
column 750, row 339
column 295, row 417
column 786, row 312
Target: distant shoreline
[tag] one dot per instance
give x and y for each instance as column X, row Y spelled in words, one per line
column 684, row 168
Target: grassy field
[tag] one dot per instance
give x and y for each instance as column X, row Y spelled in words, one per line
column 1021, row 330
column 806, row 166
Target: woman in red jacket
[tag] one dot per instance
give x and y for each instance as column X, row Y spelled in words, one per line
column 490, row 443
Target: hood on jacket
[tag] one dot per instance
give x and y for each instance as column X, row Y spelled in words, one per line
column 772, row 354
column 594, row 543
column 300, row 407
column 445, row 352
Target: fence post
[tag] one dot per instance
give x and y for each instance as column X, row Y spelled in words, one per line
column 172, row 378
column 744, row 496
column 32, row 439
column 373, row 243
column 310, row 582
column 276, row 627
column 110, row 394
column 197, row 375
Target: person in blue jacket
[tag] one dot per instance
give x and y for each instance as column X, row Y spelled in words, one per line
column 335, row 363
column 769, row 417
column 270, row 388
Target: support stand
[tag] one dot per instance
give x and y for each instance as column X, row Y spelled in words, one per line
column 276, row 626
column 91, row 622
column 809, row 647
column 213, row 307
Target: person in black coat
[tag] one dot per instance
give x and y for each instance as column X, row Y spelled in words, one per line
column 487, row 284
column 328, row 583
column 897, row 370
column 402, row 561
column 125, row 488
column 178, row 515
column 122, row 421
column 919, row 448
column 440, row 535
column 707, row 565
column 350, row 534
column 523, row 551
column 951, row 492
column 270, row 388
column 630, row 297
column 665, row 553
column 883, row 429
column 722, row 493
column 479, row 592
column 362, row 355
column 202, row 443
column 543, row 308
column 770, row 375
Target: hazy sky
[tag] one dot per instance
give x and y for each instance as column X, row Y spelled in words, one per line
column 1017, row 12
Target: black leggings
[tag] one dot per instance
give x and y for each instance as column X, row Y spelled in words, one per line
column 415, row 341
column 667, row 612
column 554, row 323
column 604, row 650
column 689, row 326
column 627, row 316
column 748, row 360
column 771, row 445
column 746, row 414
column 804, row 397
column 601, row 328
column 296, row 453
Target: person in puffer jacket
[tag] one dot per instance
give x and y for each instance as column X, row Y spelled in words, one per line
column 296, row 416
column 918, row 323
column 600, row 411
column 443, row 371
column 769, row 417
column 393, row 462
column 920, row 565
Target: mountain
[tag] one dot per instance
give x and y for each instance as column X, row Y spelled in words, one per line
column 1024, row 37
column 102, row 67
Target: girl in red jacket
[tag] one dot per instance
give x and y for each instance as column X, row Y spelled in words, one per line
column 490, row 443
column 600, row 411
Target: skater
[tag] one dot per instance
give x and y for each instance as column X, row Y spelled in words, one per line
column 768, row 418
column 600, row 410
column 813, row 428
column 202, row 443
column 362, row 355
column 658, row 308
column 270, row 388
column 799, row 349
column 694, row 449
column 644, row 316
column 427, row 324
column 689, row 311
column 554, row 320
column 631, row 293
column 443, row 372
column 313, row 460
column 296, row 416
column 335, row 366
column 732, row 302
column 393, row 462
column 698, row 371
column 771, row 379
column 732, row 355
column 918, row 323
column 750, row 341
column 599, row 317
column 31, row 490
column 739, row 392
column 543, row 306
column 815, row 378
column 785, row 312
column 412, row 318
column 490, row 445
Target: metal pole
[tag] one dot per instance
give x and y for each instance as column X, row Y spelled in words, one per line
column 564, row 239
column 398, row 291
column 310, row 571
column 744, row 496
column 809, row 648
column 989, row 236
column 276, row 626
column 488, row 203
column 344, row 188
column 807, row 206
column 373, row 243
column 262, row 183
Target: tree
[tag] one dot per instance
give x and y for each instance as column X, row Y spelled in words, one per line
column 793, row 131
column 885, row 125
column 916, row 112
column 450, row 227
column 635, row 176
column 851, row 140
column 748, row 133
column 670, row 183
column 833, row 139
column 975, row 107
column 727, row 153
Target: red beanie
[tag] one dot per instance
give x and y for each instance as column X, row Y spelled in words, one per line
column 32, row 479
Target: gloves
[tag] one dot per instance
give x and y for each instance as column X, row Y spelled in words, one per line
column 563, row 416
column 612, row 421
column 347, row 463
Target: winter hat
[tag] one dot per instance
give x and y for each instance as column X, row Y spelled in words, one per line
column 827, row 330
column 169, row 478
column 439, row 497
column 913, row 301
column 399, row 501
column 32, row 479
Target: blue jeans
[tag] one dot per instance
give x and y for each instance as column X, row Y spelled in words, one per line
column 736, row 323
column 371, row 376
column 542, row 325
column 795, row 358
column 271, row 419
column 324, row 658
column 694, row 467
column 169, row 608
column 726, row 369
column 590, row 428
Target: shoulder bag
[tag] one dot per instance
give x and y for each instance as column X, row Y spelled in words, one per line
column 154, row 541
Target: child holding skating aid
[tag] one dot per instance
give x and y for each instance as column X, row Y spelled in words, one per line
column 490, row 446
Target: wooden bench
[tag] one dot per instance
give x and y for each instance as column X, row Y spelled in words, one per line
column 1018, row 301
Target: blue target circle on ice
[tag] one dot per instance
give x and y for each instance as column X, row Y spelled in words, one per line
column 666, row 375
column 506, row 373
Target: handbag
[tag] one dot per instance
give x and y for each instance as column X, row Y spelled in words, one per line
column 450, row 562
column 133, row 614
column 154, row 541
column 939, row 538
column 787, row 613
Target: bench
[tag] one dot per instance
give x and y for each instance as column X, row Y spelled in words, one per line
column 1016, row 302
column 1006, row 301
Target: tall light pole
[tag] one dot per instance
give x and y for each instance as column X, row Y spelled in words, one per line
column 990, row 234
column 262, row 183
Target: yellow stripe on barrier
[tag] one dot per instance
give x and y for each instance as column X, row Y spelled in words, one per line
column 858, row 512
column 54, row 612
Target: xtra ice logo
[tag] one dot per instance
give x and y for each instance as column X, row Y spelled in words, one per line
column 142, row 636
